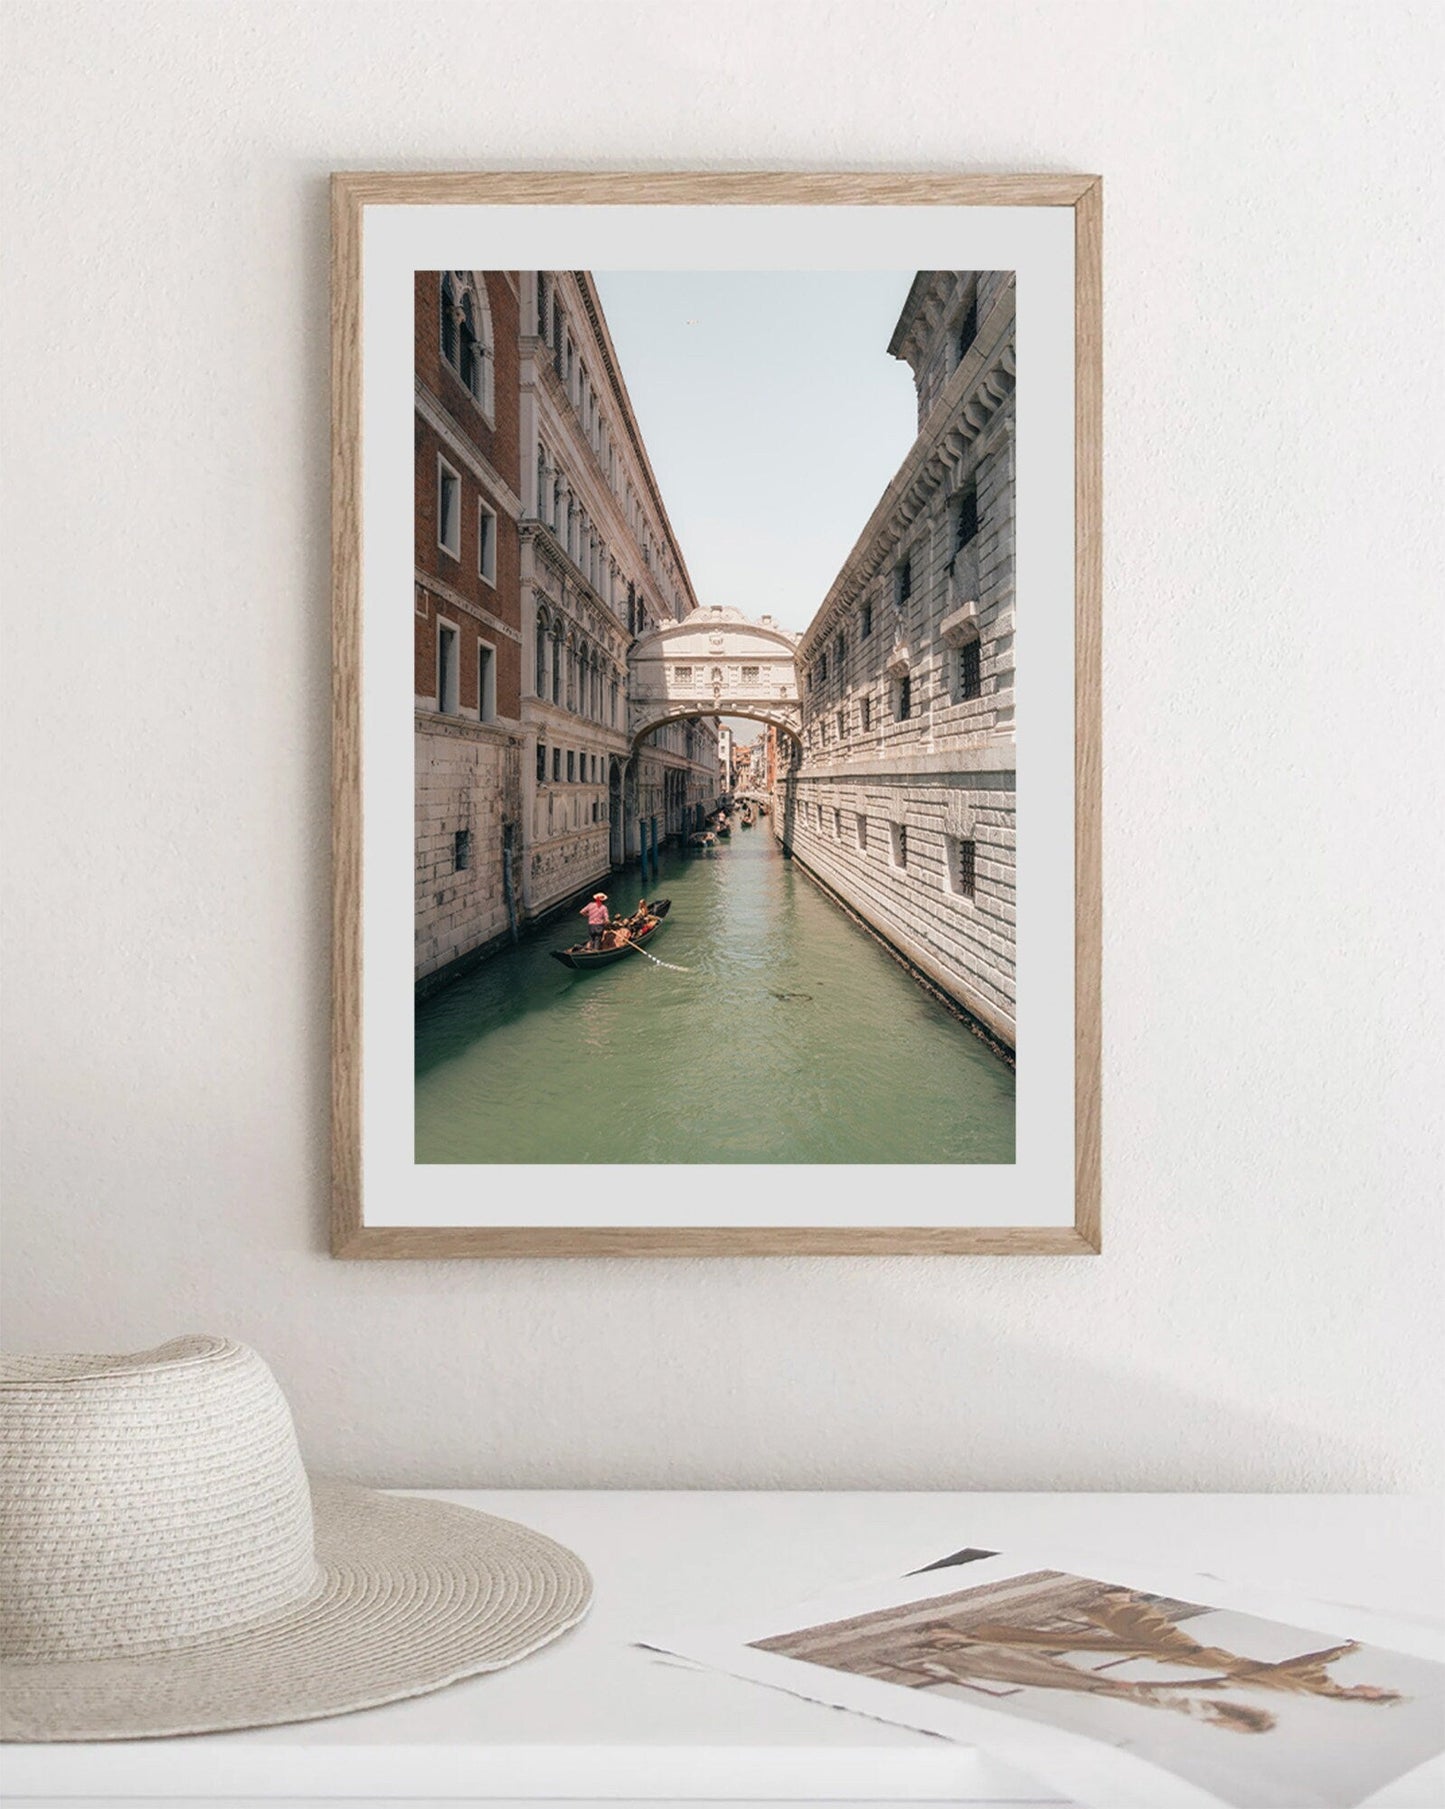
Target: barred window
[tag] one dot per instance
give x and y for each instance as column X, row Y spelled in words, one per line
column 842, row 722
column 840, row 650
column 462, row 850
column 750, row 675
column 861, row 830
column 822, row 668
column 556, row 766
column 865, row 621
column 903, row 581
column 970, row 670
column 682, row 674
column 898, row 844
column 962, row 855
column 865, row 713
column 571, row 765
column 541, row 763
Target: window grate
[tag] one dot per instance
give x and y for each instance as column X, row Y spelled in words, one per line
column 462, row 850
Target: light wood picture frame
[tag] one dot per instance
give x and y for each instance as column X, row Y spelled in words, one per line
column 366, row 1218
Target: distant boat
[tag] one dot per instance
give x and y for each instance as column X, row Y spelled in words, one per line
column 583, row 956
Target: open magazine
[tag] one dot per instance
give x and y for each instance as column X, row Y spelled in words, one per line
column 1120, row 1687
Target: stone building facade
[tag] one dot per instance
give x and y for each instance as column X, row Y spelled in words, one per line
column 902, row 797
column 599, row 567
column 543, row 550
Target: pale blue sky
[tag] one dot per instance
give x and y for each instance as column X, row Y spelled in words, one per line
column 773, row 416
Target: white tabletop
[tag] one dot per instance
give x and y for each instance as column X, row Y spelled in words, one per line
column 593, row 1718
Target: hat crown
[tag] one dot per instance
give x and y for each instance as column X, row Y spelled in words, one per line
column 147, row 1500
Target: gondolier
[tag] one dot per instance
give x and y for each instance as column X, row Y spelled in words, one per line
column 597, row 915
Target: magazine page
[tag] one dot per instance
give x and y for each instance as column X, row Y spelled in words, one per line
column 1119, row 1686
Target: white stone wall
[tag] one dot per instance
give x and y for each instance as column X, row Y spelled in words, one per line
column 966, row 945
column 468, row 777
column 944, row 774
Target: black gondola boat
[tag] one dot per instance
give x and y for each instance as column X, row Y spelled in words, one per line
column 582, row 956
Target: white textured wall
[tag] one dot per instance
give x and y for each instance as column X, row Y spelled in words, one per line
column 1265, row 1315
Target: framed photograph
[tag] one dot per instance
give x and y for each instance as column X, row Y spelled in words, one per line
column 729, row 880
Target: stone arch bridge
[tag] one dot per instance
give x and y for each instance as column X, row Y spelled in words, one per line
column 715, row 662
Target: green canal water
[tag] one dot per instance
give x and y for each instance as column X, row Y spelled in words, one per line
column 793, row 1037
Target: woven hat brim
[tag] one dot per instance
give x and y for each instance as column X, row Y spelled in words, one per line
column 413, row 1595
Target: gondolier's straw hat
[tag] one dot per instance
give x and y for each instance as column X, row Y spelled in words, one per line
column 166, row 1567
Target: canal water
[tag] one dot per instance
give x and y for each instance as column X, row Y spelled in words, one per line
column 791, row 1037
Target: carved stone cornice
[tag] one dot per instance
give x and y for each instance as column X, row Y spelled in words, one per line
column 939, row 457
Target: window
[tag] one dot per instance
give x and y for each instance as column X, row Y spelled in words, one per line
column 865, row 621
column 970, row 671
column 449, row 320
column 898, row 840
column 865, row 713
column 540, row 657
column 541, row 304
column 462, row 850
column 840, row 653
column 822, row 668
column 556, row 766
column 486, row 543
column 962, row 874
column 446, row 670
column 571, row 766
column 903, row 582
column 541, row 763
column 838, row 825
column 902, row 698
column 449, row 509
column 967, row 329
column 556, row 673
column 472, row 353
column 861, row 829
column 966, row 521
column 841, row 721
column 486, row 682
column 682, row 674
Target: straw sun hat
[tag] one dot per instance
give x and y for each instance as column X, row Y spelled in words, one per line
column 165, row 1567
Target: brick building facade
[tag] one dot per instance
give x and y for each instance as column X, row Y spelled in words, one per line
column 468, row 636
column 903, row 799
column 542, row 549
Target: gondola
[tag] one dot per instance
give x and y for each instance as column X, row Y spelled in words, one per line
column 581, row 957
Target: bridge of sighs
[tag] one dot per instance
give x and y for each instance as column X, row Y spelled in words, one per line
column 715, row 662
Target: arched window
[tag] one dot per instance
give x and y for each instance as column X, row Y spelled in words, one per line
column 542, row 304
column 557, row 666
column 540, row 685
column 466, row 334
column 449, row 320
column 470, row 360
